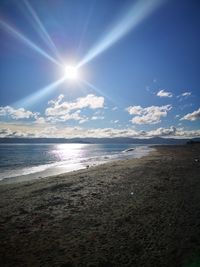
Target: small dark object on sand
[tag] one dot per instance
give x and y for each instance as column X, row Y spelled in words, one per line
column 129, row 149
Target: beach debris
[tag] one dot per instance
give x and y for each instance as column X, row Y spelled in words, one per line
column 87, row 167
column 132, row 193
column 129, row 150
column 196, row 160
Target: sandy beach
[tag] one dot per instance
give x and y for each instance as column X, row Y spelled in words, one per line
column 140, row 212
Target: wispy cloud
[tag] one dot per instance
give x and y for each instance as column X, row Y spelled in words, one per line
column 163, row 132
column 5, row 132
column 114, row 121
column 148, row 115
column 195, row 115
column 40, row 120
column 17, row 114
column 60, row 110
column 76, row 116
column 186, row 94
column 173, row 132
column 94, row 118
column 163, row 93
column 71, row 132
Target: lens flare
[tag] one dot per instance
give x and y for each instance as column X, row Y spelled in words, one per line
column 26, row 41
column 71, row 73
column 97, row 90
column 136, row 14
column 33, row 98
column 39, row 27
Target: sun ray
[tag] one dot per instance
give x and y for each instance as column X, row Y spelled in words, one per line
column 97, row 90
column 31, row 99
column 42, row 30
column 86, row 25
column 136, row 14
column 26, row 41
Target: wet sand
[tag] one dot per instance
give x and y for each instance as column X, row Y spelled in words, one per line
column 140, row 212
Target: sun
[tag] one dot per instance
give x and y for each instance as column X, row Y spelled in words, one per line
column 71, row 72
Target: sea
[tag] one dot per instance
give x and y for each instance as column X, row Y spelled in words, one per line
column 23, row 162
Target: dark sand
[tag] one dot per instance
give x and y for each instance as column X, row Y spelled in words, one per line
column 141, row 212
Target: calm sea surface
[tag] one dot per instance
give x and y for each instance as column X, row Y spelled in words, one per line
column 20, row 162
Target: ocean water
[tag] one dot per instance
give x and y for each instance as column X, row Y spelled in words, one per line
column 21, row 162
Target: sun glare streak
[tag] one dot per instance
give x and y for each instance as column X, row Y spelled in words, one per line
column 86, row 24
column 96, row 90
column 31, row 99
column 41, row 29
column 136, row 14
column 26, row 41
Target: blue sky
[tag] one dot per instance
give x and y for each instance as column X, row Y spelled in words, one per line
column 137, row 65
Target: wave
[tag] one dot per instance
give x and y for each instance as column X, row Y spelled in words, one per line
column 75, row 163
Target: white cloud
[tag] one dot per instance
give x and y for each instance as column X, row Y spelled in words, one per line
column 17, row 114
column 182, row 107
column 99, row 112
column 63, row 111
column 192, row 116
column 64, row 132
column 148, row 115
column 173, row 132
column 89, row 101
column 56, row 101
column 40, row 120
column 115, row 108
column 111, row 132
column 83, row 120
column 163, row 93
column 163, row 132
column 94, row 118
column 71, row 132
column 186, row 94
column 135, row 110
column 59, row 110
column 5, row 132
column 114, row 121
column 76, row 116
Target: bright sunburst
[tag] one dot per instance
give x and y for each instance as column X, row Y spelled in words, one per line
column 71, row 72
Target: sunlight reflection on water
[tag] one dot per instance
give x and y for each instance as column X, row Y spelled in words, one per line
column 65, row 152
column 32, row 161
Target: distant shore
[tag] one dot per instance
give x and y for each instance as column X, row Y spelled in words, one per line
column 139, row 212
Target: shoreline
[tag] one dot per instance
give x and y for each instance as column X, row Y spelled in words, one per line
column 62, row 168
column 137, row 212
